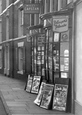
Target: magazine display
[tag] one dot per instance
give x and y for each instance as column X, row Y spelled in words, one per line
column 39, row 96
column 36, row 84
column 29, row 84
column 47, row 96
column 60, row 97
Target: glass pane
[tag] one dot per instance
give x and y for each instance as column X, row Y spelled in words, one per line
column 64, row 49
column 56, row 64
column 64, row 64
column 50, row 62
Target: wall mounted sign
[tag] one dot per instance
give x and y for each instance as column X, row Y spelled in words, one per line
column 32, row 8
column 60, row 23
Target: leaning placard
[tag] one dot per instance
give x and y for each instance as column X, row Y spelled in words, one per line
column 47, row 96
column 36, row 84
column 60, row 97
column 29, row 83
column 38, row 99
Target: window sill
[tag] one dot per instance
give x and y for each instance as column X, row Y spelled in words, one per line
column 20, row 72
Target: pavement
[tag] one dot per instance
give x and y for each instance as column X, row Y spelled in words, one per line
column 2, row 109
column 19, row 102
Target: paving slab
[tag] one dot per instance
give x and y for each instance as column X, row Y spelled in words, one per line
column 18, row 102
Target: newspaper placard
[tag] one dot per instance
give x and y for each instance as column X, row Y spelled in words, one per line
column 38, row 99
column 47, row 96
column 36, row 84
column 60, row 97
column 29, row 84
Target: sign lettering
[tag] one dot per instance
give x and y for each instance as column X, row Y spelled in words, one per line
column 60, row 23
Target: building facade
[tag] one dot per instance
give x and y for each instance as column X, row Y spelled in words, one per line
column 15, row 50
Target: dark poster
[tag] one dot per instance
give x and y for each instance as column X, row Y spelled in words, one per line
column 36, row 84
column 29, row 84
column 39, row 96
column 47, row 96
column 60, row 97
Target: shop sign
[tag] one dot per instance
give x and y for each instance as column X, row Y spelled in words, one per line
column 20, row 44
column 60, row 23
column 32, row 8
column 41, row 39
column 48, row 22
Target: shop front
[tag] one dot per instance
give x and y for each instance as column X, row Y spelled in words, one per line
column 51, row 60
column 37, row 38
column 58, row 49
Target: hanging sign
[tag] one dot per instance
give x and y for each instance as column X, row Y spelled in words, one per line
column 48, row 22
column 32, row 8
column 60, row 23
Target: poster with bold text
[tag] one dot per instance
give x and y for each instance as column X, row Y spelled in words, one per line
column 60, row 97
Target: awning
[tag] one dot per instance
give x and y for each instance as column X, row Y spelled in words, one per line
column 68, row 9
column 35, row 27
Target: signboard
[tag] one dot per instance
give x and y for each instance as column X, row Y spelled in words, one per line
column 32, row 8
column 39, row 96
column 41, row 39
column 47, row 96
column 36, row 84
column 60, row 97
column 60, row 23
column 29, row 84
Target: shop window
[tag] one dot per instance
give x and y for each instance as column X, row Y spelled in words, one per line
column 20, row 57
column 20, row 22
column 7, row 27
column 0, row 58
column 20, row 60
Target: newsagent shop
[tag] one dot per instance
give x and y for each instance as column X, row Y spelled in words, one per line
column 51, row 62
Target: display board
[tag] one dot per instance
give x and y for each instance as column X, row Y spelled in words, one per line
column 36, row 84
column 60, row 97
column 29, row 83
column 47, row 96
column 38, row 99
